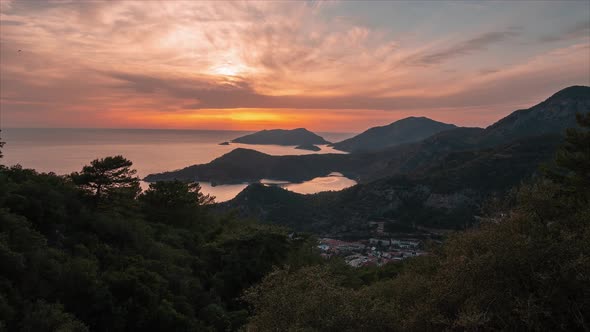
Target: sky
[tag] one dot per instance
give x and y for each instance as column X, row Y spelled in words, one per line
column 340, row 66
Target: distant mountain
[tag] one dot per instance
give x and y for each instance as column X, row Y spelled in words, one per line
column 299, row 136
column 552, row 116
column 406, row 130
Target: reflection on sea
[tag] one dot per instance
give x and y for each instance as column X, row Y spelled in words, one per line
column 333, row 181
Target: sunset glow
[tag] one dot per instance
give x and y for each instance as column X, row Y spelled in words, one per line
column 327, row 66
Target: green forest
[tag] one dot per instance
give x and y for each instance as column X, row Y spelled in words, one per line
column 90, row 251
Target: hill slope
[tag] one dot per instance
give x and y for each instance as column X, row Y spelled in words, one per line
column 406, row 130
column 553, row 115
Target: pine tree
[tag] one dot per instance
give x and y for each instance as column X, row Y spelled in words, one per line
column 108, row 177
column 572, row 162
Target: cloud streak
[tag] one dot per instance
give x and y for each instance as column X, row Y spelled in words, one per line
column 463, row 48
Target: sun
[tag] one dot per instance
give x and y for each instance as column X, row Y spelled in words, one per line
column 226, row 70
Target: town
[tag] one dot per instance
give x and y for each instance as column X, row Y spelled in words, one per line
column 373, row 251
column 381, row 249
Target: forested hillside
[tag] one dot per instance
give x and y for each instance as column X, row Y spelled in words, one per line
column 87, row 253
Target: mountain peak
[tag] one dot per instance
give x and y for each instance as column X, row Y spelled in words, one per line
column 572, row 92
column 298, row 136
column 406, row 130
column 414, row 119
column 243, row 152
column 553, row 115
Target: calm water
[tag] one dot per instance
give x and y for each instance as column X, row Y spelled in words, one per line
column 66, row 150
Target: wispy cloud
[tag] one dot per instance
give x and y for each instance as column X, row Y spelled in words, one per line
column 111, row 61
column 462, row 48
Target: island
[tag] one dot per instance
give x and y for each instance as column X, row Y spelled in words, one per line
column 299, row 136
column 309, row 147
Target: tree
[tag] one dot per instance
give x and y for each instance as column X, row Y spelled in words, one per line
column 572, row 162
column 174, row 202
column 174, row 194
column 108, row 177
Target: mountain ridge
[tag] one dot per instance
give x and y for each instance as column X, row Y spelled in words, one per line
column 551, row 116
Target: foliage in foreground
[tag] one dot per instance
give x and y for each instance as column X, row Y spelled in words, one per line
column 86, row 252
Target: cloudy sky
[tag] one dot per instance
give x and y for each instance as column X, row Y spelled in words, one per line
column 327, row 66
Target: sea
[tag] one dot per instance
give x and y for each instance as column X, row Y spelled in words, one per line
column 63, row 151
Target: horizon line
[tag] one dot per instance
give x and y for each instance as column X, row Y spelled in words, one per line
column 174, row 129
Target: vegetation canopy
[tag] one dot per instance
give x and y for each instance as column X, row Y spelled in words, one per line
column 107, row 177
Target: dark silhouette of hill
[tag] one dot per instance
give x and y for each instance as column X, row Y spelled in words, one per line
column 406, row 130
column 299, row 136
column 552, row 116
